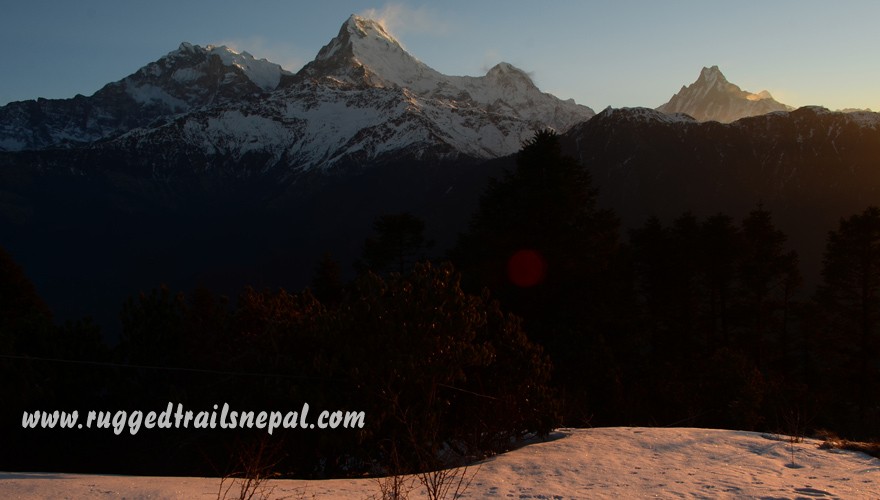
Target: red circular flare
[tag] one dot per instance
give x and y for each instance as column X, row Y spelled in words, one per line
column 526, row 268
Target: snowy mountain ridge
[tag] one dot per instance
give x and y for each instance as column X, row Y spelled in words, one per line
column 263, row 73
column 303, row 126
column 183, row 80
column 363, row 53
column 362, row 97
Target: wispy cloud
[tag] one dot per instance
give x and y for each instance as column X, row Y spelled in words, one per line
column 399, row 19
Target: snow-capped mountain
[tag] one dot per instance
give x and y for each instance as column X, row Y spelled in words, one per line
column 363, row 53
column 182, row 80
column 365, row 99
column 310, row 126
column 362, row 99
column 712, row 98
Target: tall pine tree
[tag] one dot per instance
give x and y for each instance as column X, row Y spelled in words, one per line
column 542, row 245
column 399, row 242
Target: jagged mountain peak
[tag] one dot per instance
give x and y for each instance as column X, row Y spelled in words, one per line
column 364, row 53
column 191, row 60
column 711, row 74
column 713, row 98
column 365, row 28
column 507, row 72
column 194, row 76
column 182, row 80
column 712, row 79
column 505, row 68
column 186, row 47
column 357, row 35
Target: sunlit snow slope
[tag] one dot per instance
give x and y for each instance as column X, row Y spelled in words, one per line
column 572, row 464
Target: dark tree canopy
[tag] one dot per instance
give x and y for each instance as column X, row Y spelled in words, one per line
column 24, row 317
column 542, row 245
column 399, row 242
column 716, row 303
column 327, row 280
column 546, row 206
column 439, row 365
column 849, row 299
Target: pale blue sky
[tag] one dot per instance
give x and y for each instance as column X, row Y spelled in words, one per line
column 618, row 53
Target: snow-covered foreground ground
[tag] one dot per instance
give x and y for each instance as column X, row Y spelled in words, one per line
column 573, row 463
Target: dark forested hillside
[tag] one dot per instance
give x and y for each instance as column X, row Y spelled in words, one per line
column 809, row 167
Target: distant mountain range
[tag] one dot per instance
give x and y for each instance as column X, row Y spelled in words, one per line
column 210, row 166
column 362, row 98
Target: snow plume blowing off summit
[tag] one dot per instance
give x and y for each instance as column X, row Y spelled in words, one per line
column 399, row 19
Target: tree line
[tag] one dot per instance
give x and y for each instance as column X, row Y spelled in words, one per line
column 544, row 313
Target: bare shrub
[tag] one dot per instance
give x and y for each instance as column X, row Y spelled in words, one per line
column 255, row 464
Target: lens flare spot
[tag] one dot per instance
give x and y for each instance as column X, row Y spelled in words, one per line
column 526, row 268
